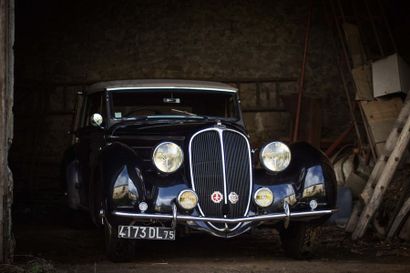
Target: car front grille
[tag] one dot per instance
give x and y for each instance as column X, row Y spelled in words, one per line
column 220, row 162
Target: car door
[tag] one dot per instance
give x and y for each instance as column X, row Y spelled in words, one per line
column 90, row 140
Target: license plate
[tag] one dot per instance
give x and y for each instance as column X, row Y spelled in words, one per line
column 150, row 233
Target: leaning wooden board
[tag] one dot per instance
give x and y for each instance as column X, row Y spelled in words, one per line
column 380, row 116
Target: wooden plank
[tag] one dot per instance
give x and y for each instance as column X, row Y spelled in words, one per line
column 380, row 116
column 354, row 217
column 368, row 133
column 354, row 44
column 362, row 76
column 405, row 230
column 3, row 125
column 6, row 125
column 383, row 182
column 401, row 216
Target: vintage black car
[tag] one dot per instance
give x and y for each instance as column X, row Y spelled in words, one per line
column 153, row 157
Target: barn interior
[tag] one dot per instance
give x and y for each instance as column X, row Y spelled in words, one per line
column 277, row 53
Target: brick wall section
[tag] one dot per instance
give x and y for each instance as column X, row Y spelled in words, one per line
column 60, row 43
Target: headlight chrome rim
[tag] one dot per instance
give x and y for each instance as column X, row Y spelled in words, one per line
column 267, row 146
column 183, row 192
column 178, row 165
column 256, row 194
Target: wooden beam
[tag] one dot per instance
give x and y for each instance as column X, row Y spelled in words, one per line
column 6, row 126
column 384, row 181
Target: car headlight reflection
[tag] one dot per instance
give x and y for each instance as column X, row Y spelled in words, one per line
column 275, row 156
column 168, row 157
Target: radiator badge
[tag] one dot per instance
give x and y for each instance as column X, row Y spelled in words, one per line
column 233, row 197
column 217, row 197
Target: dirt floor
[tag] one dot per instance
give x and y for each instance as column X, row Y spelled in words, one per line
column 68, row 249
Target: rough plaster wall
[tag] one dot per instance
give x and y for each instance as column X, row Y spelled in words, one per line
column 62, row 42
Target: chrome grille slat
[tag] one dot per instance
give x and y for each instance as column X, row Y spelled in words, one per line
column 220, row 161
column 208, row 163
column 237, row 171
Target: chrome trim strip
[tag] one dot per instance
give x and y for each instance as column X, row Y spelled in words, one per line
column 184, row 218
column 171, row 87
column 220, row 134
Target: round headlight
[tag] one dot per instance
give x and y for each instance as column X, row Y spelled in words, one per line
column 187, row 199
column 275, row 156
column 263, row 197
column 168, row 157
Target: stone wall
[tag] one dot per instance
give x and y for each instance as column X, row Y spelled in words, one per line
column 62, row 45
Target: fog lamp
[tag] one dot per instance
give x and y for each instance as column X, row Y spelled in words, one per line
column 263, row 197
column 187, row 199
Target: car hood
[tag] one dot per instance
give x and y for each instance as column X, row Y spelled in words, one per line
column 158, row 128
column 144, row 137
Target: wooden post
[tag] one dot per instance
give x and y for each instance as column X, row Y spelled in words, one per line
column 6, row 126
column 384, row 181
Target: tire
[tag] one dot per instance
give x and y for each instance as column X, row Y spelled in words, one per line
column 77, row 218
column 118, row 250
column 299, row 240
column 95, row 201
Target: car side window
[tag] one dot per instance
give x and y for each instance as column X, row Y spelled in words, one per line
column 79, row 108
column 231, row 110
column 93, row 105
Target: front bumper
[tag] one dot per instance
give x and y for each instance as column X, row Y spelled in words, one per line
column 175, row 217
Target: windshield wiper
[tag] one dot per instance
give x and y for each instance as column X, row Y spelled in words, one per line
column 134, row 118
column 184, row 112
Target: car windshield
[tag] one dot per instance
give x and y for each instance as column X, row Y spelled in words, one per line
column 173, row 103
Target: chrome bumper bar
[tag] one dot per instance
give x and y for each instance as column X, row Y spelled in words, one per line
column 184, row 218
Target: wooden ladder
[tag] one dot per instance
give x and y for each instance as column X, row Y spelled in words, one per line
column 382, row 174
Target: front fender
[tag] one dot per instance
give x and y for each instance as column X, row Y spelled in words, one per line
column 308, row 176
column 122, row 176
column 127, row 183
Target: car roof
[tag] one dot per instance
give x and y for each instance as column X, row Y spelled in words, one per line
column 159, row 84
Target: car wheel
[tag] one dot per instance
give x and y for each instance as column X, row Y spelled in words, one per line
column 118, row 250
column 299, row 240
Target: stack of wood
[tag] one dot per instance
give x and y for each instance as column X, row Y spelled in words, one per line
column 387, row 124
